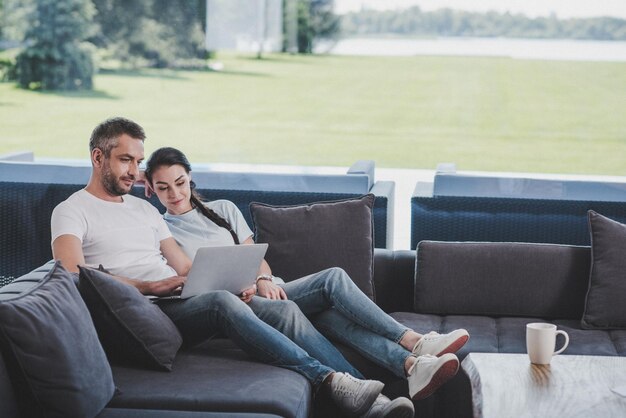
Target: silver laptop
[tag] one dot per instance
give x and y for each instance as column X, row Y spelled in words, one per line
column 233, row 268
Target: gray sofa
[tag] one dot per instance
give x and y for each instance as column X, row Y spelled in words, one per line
column 493, row 290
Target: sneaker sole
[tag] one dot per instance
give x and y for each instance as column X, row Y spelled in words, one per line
column 441, row 376
column 401, row 411
column 454, row 346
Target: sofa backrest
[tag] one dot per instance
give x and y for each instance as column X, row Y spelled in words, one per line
column 358, row 179
column 26, row 209
column 455, row 184
column 501, row 279
column 503, row 219
column 508, row 208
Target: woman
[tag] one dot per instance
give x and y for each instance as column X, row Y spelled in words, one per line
column 338, row 309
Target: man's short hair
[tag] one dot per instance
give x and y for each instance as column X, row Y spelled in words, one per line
column 106, row 135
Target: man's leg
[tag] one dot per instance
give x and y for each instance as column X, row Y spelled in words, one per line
column 286, row 317
column 202, row 316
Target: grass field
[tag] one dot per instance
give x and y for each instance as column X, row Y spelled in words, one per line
column 414, row 112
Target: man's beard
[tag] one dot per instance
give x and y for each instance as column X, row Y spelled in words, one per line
column 111, row 184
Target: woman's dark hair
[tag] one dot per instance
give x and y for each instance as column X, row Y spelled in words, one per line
column 168, row 157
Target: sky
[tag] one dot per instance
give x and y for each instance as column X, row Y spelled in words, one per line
column 532, row 8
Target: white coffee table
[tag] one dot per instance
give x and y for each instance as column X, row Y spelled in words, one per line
column 508, row 385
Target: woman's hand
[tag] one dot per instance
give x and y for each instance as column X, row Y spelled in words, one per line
column 269, row 290
column 147, row 188
column 247, row 294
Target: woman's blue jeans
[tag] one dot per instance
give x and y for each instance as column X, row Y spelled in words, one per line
column 338, row 309
column 201, row 317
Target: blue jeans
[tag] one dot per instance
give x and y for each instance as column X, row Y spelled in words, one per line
column 286, row 317
column 201, row 317
column 340, row 311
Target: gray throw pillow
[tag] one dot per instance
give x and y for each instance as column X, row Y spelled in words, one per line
column 50, row 347
column 305, row 239
column 132, row 330
column 604, row 306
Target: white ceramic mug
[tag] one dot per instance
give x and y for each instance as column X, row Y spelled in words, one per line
column 541, row 341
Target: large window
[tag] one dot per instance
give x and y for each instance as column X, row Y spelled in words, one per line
column 538, row 89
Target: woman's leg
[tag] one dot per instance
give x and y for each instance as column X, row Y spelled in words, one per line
column 380, row 350
column 333, row 288
column 286, row 317
column 202, row 316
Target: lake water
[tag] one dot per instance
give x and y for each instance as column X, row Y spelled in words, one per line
column 540, row 49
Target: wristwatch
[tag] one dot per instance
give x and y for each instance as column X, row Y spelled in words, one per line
column 268, row 277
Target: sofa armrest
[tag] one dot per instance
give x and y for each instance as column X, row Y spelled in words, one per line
column 366, row 167
column 393, row 279
column 384, row 212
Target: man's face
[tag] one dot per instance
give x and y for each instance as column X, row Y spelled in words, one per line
column 120, row 170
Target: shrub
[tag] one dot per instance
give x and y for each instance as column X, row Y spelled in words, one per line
column 55, row 58
column 8, row 69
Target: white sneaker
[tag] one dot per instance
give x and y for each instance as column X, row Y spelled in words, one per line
column 437, row 344
column 383, row 407
column 429, row 373
column 352, row 395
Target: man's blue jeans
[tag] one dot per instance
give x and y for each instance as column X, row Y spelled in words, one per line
column 201, row 317
column 338, row 309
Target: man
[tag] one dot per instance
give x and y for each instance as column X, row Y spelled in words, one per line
column 103, row 224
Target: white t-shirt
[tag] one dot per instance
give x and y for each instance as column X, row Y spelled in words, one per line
column 193, row 230
column 125, row 237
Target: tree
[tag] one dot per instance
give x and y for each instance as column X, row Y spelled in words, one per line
column 56, row 57
column 315, row 20
column 156, row 33
column 14, row 21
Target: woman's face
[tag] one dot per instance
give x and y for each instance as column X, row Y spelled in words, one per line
column 171, row 185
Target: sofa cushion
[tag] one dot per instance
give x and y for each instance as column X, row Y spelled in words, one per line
column 131, row 328
column 501, row 279
column 605, row 307
column 309, row 238
column 508, row 335
column 215, row 377
column 51, row 349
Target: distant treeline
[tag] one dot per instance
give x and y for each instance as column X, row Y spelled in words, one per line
column 447, row 22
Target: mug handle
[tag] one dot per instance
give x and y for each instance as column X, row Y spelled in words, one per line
column 566, row 341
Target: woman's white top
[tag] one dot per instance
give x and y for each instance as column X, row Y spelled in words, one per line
column 193, row 230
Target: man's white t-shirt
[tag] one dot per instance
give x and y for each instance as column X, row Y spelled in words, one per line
column 125, row 237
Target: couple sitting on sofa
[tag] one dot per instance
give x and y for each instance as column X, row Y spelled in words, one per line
column 102, row 224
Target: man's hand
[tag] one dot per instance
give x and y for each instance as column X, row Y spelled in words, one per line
column 269, row 290
column 164, row 287
column 247, row 294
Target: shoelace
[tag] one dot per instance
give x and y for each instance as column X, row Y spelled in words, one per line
column 425, row 357
column 425, row 337
column 421, row 359
column 342, row 387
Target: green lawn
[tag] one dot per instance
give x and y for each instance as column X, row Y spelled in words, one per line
column 411, row 112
